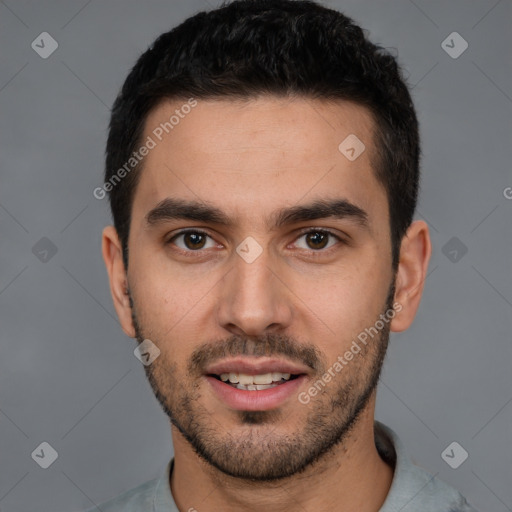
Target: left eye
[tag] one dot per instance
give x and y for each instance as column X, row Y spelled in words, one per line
column 318, row 239
column 193, row 241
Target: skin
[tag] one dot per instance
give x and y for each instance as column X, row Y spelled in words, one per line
column 249, row 159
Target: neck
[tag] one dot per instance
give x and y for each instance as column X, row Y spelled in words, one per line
column 352, row 476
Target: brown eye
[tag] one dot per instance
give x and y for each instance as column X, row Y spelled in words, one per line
column 191, row 240
column 194, row 240
column 317, row 239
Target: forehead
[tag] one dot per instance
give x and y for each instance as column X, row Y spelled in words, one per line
column 259, row 155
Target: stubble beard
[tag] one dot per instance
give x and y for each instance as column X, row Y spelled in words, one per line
column 255, row 448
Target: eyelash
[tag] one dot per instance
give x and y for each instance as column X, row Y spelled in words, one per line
column 314, row 252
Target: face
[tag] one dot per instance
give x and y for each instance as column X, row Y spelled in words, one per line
column 259, row 253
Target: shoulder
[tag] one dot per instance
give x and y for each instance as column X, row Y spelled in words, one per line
column 433, row 494
column 413, row 488
column 136, row 499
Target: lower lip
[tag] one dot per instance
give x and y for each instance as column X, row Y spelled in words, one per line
column 259, row 400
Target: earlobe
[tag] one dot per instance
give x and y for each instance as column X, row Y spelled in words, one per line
column 415, row 254
column 113, row 257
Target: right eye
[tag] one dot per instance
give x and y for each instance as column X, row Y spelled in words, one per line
column 193, row 240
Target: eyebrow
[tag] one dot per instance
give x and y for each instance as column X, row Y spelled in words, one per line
column 180, row 209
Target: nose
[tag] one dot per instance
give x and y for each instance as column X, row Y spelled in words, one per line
column 254, row 299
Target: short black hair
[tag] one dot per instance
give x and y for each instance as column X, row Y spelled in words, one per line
column 248, row 48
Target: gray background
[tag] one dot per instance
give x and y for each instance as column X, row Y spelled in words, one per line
column 68, row 375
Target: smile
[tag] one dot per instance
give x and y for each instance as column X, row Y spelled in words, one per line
column 259, row 382
column 255, row 384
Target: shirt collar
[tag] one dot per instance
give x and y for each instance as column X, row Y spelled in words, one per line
column 162, row 499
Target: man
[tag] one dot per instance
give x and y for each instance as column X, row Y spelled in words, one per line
column 263, row 168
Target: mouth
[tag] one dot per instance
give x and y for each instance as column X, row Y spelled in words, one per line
column 252, row 384
column 258, row 382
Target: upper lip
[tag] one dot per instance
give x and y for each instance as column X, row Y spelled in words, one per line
column 255, row 366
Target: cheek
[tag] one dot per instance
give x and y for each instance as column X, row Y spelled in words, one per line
column 166, row 293
column 345, row 302
column 170, row 306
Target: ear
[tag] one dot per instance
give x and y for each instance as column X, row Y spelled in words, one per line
column 415, row 251
column 113, row 256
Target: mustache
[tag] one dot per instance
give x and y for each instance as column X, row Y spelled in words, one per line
column 268, row 345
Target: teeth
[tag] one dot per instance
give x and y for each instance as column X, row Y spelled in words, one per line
column 266, row 378
column 253, row 382
column 276, row 376
column 254, row 387
column 265, row 386
column 245, row 379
